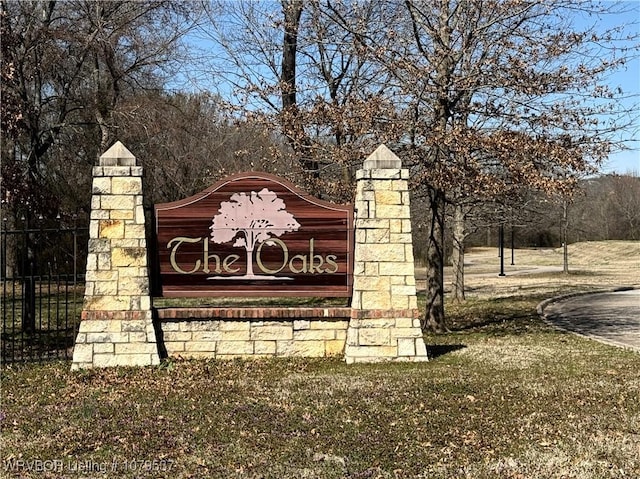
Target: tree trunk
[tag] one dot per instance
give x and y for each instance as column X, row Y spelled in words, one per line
column 434, row 319
column 457, row 257
column 291, row 124
column 434, row 315
column 292, row 10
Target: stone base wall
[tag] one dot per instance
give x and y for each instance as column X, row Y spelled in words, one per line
column 115, row 338
column 385, row 335
column 225, row 333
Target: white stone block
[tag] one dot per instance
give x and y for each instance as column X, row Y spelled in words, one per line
column 200, row 346
column 142, row 337
column 385, row 174
column 375, row 300
column 272, row 333
column 167, row 326
column 407, row 333
column 174, row 347
column 235, row 325
column 374, row 337
column 135, row 360
column 126, row 185
column 421, row 348
column 331, row 325
column 116, row 170
column 399, row 268
column 400, row 238
column 145, row 302
column 108, row 338
column 83, row 353
column 101, row 326
column 314, row 335
column 372, row 353
column 406, row 347
column 372, row 283
column 136, row 348
column 402, row 323
column 371, row 268
column 379, row 252
column 301, row 324
column 399, row 302
column 372, row 223
column 376, row 236
column 177, row 336
column 207, row 335
column 392, row 211
column 385, row 323
column 413, row 302
column 234, row 347
column 309, row 349
column 265, row 348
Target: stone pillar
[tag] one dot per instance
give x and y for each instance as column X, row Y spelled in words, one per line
column 116, row 326
column 385, row 321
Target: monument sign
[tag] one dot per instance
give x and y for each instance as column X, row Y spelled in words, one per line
column 254, row 234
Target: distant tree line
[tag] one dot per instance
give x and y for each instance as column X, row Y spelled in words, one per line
column 602, row 207
column 605, row 207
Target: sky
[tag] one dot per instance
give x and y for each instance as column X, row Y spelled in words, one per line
column 628, row 79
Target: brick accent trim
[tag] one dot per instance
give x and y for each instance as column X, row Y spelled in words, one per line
column 252, row 313
column 115, row 315
column 384, row 313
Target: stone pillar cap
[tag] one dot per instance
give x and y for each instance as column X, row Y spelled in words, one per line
column 117, row 155
column 382, row 158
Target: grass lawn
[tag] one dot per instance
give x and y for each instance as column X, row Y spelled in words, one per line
column 504, row 396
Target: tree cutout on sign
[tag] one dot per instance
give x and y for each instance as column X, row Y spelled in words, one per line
column 250, row 220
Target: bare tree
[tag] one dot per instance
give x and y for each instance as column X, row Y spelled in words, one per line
column 73, row 63
column 499, row 95
column 292, row 65
column 608, row 208
column 480, row 98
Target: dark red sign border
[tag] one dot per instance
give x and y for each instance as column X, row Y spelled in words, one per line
column 329, row 224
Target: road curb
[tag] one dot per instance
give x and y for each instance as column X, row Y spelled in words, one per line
column 543, row 304
column 556, row 299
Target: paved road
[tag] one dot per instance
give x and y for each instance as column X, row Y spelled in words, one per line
column 612, row 318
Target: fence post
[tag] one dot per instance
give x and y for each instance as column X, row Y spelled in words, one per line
column 116, row 327
column 28, row 278
column 29, row 298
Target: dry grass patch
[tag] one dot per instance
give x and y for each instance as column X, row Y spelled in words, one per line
column 592, row 266
column 555, row 406
column 504, row 396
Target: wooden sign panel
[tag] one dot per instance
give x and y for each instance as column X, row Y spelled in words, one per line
column 254, row 234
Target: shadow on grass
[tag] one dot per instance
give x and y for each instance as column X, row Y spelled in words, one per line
column 436, row 350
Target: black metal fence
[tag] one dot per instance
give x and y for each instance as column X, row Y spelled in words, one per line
column 42, row 267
